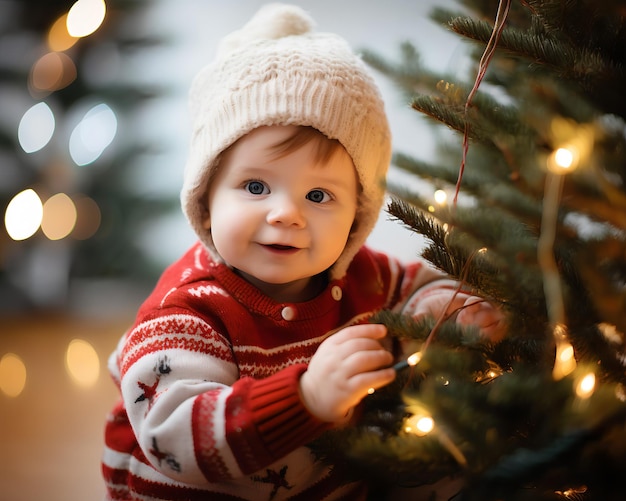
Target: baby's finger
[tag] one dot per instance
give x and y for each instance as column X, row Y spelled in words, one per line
column 363, row 383
column 367, row 361
column 371, row 331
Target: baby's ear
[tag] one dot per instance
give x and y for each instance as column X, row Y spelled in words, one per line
column 206, row 218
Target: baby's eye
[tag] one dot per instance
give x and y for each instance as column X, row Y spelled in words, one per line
column 256, row 188
column 318, row 196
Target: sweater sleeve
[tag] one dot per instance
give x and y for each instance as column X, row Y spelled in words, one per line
column 194, row 419
column 264, row 419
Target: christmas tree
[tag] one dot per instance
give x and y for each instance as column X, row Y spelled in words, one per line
column 534, row 222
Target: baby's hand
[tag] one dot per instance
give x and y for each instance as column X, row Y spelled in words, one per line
column 469, row 310
column 344, row 368
column 488, row 318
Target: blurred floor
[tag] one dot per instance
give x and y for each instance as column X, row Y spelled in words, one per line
column 51, row 434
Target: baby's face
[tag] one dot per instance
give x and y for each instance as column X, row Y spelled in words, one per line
column 280, row 220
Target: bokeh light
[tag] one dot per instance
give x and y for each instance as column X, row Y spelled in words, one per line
column 82, row 363
column 93, row 134
column 563, row 160
column 59, row 217
column 419, row 425
column 52, row 71
column 36, row 128
column 85, row 17
column 586, row 386
column 23, row 215
column 440, row 197
column 88, row 218
column 58, row 37
column 12, row 375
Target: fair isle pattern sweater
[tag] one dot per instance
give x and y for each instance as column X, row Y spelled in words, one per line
column 208, row 375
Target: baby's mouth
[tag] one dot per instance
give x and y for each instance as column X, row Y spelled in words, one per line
column 281, row 248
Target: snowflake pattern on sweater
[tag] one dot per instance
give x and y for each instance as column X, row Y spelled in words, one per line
column 208, row 376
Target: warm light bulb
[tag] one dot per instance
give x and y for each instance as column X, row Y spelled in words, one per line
column 564, row 362
column 440, row 197
column 563, row 160
column 566, row 353
column 414, row 359
column 419, row 425
column 586, row 386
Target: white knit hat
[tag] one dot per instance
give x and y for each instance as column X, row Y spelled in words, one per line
column 277, row 71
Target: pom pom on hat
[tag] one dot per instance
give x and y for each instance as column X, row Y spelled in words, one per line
column 277, row 71
column 272, row 21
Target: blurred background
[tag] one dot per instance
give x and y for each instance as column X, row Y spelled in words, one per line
column 93, row 140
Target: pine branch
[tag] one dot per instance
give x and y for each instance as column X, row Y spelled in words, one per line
column 543, row 48
column 408, row 74
column 585, row 67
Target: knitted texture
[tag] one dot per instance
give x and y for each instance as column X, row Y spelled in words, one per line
column 277, row 71
column 209, row 380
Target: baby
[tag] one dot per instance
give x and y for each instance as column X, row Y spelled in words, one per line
column 257, row 340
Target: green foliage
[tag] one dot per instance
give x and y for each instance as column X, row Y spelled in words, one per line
column 502, row 420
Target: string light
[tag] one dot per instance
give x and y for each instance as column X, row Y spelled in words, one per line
column 562, row 161
column 411, row 361
column 564, row 361
column 419, row 425
column 490, row 374
column 586, row 385
column 440, row 197
column 573, row 492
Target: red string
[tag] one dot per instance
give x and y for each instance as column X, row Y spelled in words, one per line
column 496, row 34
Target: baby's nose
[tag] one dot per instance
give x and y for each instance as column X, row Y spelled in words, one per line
column 285, row 211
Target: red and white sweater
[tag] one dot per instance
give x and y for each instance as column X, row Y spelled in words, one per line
column 208, row 375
